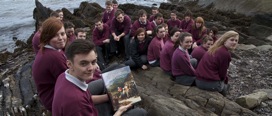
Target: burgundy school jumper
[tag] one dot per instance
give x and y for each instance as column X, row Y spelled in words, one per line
column 166, row 56
column 181, row 65
column 36, row 42
column 198, row 52
column 121, row 27
column 108, row 16
column 154, row 49
column 100, row 36
column 197, row 35
column 137, row 24
column 173, row 23
column 214, row 67
column 186, row 26
column 72, row 97
column 46, row 68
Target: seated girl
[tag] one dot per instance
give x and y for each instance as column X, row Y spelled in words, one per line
column 212, row 70
column 138, row 50
column 182, row 64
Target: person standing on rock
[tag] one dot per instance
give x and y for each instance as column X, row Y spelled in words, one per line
column 108, row 14
column 71, row 91
column 50, row 60
column 211, row 72
column 182, row 64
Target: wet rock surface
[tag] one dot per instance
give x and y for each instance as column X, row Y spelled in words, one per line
column 250, row 69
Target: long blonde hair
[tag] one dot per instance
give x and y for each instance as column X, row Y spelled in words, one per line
column 220, row 42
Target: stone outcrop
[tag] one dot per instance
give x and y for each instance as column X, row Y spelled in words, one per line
column 252, row 100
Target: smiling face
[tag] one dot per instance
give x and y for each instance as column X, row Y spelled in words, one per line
column 231, row 42
column 208, row 44
column 99, row 25
column 143, row 18
column 81, row 35
column 120, row 18
column 187, row 42
column 141, row 36
column 83, row 66
column 59, row 40
column 173, row 16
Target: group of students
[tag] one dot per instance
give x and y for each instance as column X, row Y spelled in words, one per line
column 67, row 67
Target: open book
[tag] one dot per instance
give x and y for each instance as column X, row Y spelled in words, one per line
column 121, row 87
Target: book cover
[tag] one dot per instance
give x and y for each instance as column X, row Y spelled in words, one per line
column 121, row 87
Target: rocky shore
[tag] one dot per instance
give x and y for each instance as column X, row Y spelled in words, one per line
column 250, row 69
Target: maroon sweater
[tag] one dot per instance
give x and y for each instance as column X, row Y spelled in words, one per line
column 166, row 55
column 198, row 52
column 121, row 27
column 186, row 26
column 197, row 34
column 214, row 67
column 181, row 65
column 70, row 100
column 154, row 49
column 108, row 16
column 173, row 23
column 46, row 68
column 152, row 17
column 36, row 42
column 136, row 25
column 100, row 36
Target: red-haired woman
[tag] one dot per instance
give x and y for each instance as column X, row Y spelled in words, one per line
column 50, row 60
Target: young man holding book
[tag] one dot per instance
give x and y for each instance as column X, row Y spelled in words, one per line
column 71, row 95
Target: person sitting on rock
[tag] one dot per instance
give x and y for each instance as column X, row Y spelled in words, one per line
column 101, row 39
column 120, row 31
column 213, row 32
column 168, row 50
column 174, row 21
column 167, row 37
column 70, row 32
column 158, row 20
column 108, row 14
column 198, row 31
column 211, row 72
column 138, row 50
column 36, row 38
column 115, row 4
column 155, row 10
column 50, row 60
column 141, row 23
column 155, row 47
column 72, row 93
column 182, row 64
column 80, row 33
column 187, row 22
column 199, row 51
column 60, row 14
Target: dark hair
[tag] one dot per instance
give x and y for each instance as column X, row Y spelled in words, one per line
column 157, row 28
column 118, row 12
column 108, row 2
column 181, row 38
column 79, row 46
column 58, row 11
column 155, row 8
column 77, row 30
column 188, row 13
column 54, row 14
column 174, row 11
column 158, row 15
column 214, row 29
column 50, row 28
column 68, row 24
column 138, row 31
column 114, row 2
column 141, row 12
column 206, row 38
column 173, row 31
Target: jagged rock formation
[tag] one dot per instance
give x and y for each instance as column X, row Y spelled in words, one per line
column 161, row 96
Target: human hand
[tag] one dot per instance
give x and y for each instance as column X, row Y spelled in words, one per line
column 194, row 45
column 106, row 41
column 122, row 109
column 144, row 67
